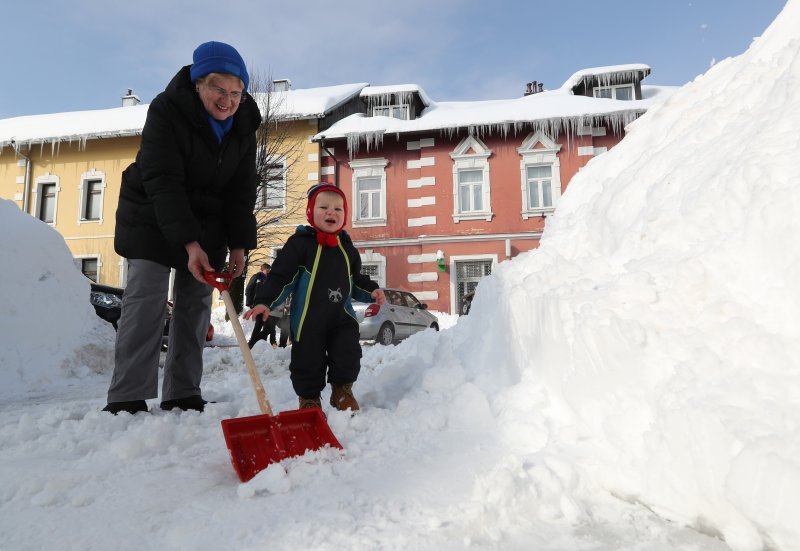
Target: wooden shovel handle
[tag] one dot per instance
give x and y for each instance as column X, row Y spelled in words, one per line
column 261, row 394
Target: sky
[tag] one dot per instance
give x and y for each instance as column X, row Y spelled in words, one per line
column 637, row 387
column 85, row 54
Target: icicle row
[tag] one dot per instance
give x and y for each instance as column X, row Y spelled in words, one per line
column 554, row 127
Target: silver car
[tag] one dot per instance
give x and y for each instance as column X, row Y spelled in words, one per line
column 399, row 317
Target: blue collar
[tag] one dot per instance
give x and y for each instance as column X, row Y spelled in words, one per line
column 220, row 128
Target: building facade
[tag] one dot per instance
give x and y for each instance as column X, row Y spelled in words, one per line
column 440, row 193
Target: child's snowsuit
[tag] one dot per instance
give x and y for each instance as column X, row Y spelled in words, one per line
column 324, row 330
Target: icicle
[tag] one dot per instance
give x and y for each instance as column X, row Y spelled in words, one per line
column 555, row 127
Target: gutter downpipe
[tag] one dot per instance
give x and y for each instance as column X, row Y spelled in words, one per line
column 335, row 161
column 27, row 189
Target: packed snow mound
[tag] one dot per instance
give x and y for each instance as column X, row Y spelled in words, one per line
column 51, row 331
column 661, row 310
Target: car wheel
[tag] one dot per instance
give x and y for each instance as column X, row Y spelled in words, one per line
column 435, row 326
column 385, row 335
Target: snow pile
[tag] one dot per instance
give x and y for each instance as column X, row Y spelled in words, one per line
column 661, row 312
column 49, row 329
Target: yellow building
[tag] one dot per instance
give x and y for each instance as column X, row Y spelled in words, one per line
column 66, row 168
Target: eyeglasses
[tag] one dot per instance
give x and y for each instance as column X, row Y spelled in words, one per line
column 236, row 97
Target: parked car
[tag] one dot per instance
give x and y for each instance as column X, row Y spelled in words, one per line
column 107, row 302
column 466, row 302
column 399, row 317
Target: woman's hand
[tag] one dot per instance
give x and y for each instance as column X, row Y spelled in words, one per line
column 378, row 296
column 257, row 310
column 236, row 262
column 198, row 261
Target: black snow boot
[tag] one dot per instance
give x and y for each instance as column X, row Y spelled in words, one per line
column 195, row 402
column 132, row 407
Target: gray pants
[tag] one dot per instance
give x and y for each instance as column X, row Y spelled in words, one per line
column 140, row 331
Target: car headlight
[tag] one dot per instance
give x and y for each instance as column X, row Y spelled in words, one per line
column 106, row 300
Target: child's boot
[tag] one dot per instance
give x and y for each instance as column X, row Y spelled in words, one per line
column 306, row 403
column 342, row 397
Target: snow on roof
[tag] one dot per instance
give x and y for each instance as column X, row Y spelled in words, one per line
column 405, row 91
column 309, row 103
column 73, row 126
column 610, row 74
column 79, row 126
column 554, row 112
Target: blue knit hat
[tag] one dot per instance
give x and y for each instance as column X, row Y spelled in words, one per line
column 218, row 57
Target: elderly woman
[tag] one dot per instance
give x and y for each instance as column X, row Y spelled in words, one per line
column 185, row 203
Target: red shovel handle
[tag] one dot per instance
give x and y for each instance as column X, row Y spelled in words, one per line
column 213, row 279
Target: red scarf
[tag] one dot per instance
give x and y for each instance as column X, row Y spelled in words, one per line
column 327, row 239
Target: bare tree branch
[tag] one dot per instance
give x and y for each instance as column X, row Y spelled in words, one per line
column 280, row 193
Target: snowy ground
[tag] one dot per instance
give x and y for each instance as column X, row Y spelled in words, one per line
column 637, row 386
column 411, row 477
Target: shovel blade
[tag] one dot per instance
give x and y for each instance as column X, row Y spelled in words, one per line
column 258, row 441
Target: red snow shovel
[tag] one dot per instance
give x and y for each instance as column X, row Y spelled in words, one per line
column 256, row 442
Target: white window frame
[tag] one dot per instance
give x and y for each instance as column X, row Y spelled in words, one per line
column 614, row 89
column 81, row 258
column 261, row 201
column 84, row 191
column 375, row 259
column 472, row 154
column 391, row 110
column 539, row 149
column 368, row 168
column 42, row 181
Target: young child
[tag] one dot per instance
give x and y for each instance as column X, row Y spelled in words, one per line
column 321, row 268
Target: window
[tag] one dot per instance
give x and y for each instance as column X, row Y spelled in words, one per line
column 94, row 197
column 471, row 183
column 46, row 204
column 468, row 274
column 89, row 268
column 272, row 189
column 91, row 196
column 470, row 190
column 371, row 270
column 621, row 92
column 374, row 266
column 394, row 111
column 410, row 300
column 540, row 174
column 540, row 194
column 368, row 198
column 369, row 192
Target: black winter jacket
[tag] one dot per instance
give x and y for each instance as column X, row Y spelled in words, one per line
column 185, row 186
column 322, row 281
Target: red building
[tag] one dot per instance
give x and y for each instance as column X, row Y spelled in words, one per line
column 440, row 192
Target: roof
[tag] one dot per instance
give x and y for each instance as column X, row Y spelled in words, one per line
column 73, row 126
column 372, row 93
column 311, row 103
column 553, row 111
column 80, row 126
column 609, row 74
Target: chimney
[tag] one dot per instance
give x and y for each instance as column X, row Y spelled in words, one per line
column 528, row 90
column 281, row 85
column 541, row 87
column 130, row 99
